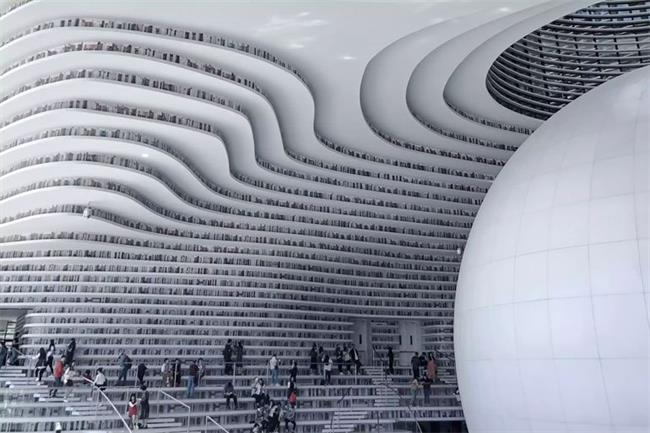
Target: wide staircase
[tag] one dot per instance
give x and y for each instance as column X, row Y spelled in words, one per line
column 366, row 402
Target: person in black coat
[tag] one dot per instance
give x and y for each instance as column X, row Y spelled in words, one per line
column 415, row 365
column 177, row 372
column 69, row 352
column 313, row 359
column 391, row 361
column 227, row 357
column 142, row 370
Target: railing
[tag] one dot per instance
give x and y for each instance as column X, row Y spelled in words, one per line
column 208, row 418
column 28, row 361
column 345, row 394
column 108, row 400
column 186, row 406
column 395, row 390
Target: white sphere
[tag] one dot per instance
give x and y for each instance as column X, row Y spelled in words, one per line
column 552, row 324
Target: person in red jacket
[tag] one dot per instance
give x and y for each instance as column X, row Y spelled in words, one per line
column 58, row 374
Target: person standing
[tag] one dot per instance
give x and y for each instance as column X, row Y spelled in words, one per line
column 274, row 367
column 293, row 372
column 177, row 372
column 338, row 353
column 356, row 359
column 415, row 365
column 144, row 405
column 328, row 369
column 415, row 387
column 165, row 373
column 201, row 367
column 142, row 370
column 125, row 365
column 132, row 411
column 391, row 361
column 192, row 379
column 348, row 360
column 291, row 388
column 239, row 356
column 313, row 359
column 3, row 354
column 227, row 358
column 431, row 368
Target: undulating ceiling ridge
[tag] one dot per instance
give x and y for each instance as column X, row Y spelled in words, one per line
column 235, row 178
column 560, row 61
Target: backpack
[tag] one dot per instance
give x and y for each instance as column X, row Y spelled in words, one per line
column 293, row 398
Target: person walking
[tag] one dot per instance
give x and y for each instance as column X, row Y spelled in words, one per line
column 426, row 389
column 293, row 371
column 274, row 367
column 14, row 354
column 69, row 352
column 142, row 370
column 144, row 405
column 229, row 394
column 391, row 361
column 291, row 387
column 41, row 363
column 132, row 411
column 58, row 376
column 415, row 365
column 68, row 378
column 125, row 364
column 99, row 382
column 192, row 379
column 415, row 388
column 51, row 351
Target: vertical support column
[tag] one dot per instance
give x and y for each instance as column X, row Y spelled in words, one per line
column 361, row 339
column 411, row 339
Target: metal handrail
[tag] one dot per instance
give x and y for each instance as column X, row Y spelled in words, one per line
column 24, row 356
column 92, row 383
column 209, row 418
column 345, row 394
column 387, row 386
column 189, row 409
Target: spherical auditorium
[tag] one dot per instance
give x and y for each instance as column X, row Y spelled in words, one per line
column 260, row 217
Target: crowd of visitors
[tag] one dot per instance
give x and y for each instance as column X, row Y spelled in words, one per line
column 268, row 412
column 425, row 372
